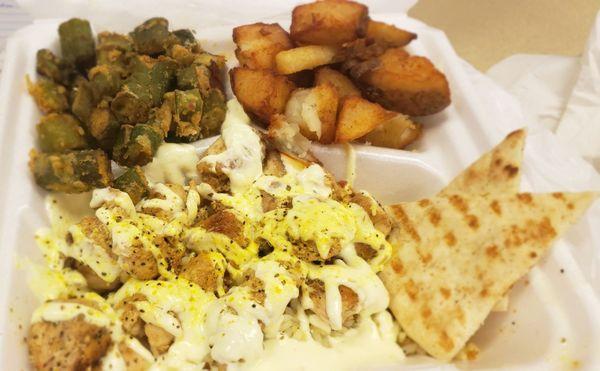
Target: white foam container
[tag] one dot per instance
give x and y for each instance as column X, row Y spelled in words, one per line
column 553, row 321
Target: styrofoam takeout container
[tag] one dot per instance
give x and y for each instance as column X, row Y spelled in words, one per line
column 553, row 317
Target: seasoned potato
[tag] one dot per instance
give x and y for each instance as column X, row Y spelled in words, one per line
column 314, row 111
column 286, row 136
column 395, row 133
column 261, row 92
column 329, row 22
column 305, row 58
column 388, row 34
column 258, row 43
column 403, row 83
column 358, row 117
column 342, row 84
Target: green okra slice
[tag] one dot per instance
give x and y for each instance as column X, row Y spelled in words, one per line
column 152, row 36
column 185, row 37
column 216, row 67
column 103, row 126
column 143, row 143
column 161, row 118
column 105, row 81
column 49, row 65
column 48, row 95
column 77, row 43
column 195, row 76
column 116, row 50
column 60, row 132
column 213, row 113
column 134, row 183
column 82, row 100
column 72, row 172
column 144, row 88
column 187, row 107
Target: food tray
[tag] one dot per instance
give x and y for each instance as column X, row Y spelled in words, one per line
column 553, row 317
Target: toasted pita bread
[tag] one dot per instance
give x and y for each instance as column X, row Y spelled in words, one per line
column 498, row 171
column 456, row 256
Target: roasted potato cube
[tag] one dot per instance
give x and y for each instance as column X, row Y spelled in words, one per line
column 134, row 183
column 48, row 95
column 60, row 132
column 314, row 111
column 395, row 133
column 77, row 43
column 72, row 172
column 259, row 43
column 329, row 22
column 406, row 84
column 286, row 136
column 305, row 58
column 388, row 34
column 262, row 93
column 342, row 84
column 358, row 117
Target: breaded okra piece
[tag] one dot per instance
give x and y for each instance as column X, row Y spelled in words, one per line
column 143, row 89
column 105, row 81
column 134, row 183
column 136, row 145
column 187, row 109
column 114, row 49
column 186, row 38
column 152, row 36
column 82, row 100
column 103, row 126
column 49, row 65
column 48, row 95
column 213, row 113
column 72, row 172
column 77, row 43
column 60, row 132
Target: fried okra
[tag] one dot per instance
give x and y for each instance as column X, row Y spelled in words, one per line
column 133, row 182
column 49, row 65
column 77, row 43
column 60, row 132
column 72, row 172
column 48, row 95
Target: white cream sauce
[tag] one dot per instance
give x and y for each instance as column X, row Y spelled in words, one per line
column 242, row 160
column 173, row 163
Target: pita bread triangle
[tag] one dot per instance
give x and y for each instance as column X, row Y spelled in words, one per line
column 497, row 171
column 457, row 255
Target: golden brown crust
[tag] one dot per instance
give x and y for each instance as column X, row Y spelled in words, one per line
column 262, row 93
column 258, row 43
column 159, row 340
column 201, row 270
column 67, row 345
column 330, row 22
